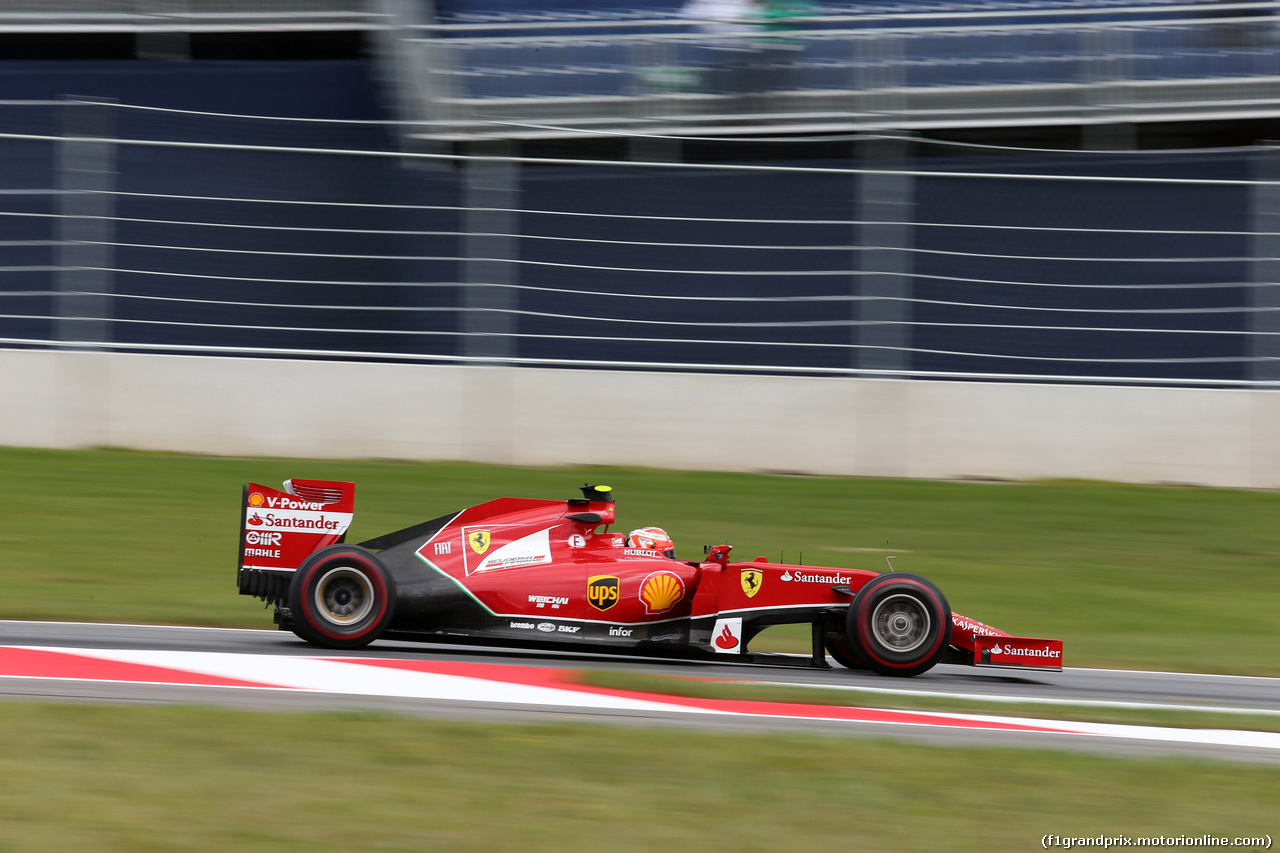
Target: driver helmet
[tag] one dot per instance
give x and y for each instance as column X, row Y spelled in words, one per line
column 652, row 539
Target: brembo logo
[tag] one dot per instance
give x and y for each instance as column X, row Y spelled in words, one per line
column 1030, row 653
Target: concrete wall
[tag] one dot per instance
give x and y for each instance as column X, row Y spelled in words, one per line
column 533, row 416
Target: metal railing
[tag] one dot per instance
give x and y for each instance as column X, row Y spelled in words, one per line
column 19, row 17
column 1156, row 267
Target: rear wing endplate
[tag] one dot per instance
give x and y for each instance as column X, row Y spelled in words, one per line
column 280, row 528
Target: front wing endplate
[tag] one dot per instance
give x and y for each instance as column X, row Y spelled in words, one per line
column 1017, row 653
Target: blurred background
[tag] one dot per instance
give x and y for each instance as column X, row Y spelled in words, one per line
column 1009, row 238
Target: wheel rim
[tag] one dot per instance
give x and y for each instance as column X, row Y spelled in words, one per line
column 344, row 596
column 901, row 623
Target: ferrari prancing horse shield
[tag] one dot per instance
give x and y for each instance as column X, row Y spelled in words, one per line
column 751, row 581
column 479, row 540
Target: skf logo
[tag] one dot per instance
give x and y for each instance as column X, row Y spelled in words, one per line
column 660, row 592
column 751, row 581
column 602, row 591
column 479, row 540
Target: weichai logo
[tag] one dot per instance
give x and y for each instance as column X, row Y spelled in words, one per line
column 602, row 591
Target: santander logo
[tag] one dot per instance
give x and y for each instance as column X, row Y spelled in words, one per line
column 1025, row 652
column 726, row 640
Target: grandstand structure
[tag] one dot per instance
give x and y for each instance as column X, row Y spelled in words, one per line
column 463, row 70
column 552, row 68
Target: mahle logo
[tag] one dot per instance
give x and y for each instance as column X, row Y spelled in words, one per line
column 602, row 591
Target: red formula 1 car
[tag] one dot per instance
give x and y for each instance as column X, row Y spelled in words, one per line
column 550, row 573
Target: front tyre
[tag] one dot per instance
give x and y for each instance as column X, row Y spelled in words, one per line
column 342, row 598
column 899, row 624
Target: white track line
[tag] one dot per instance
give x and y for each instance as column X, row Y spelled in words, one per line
column 396, row 678
column 1018, row 700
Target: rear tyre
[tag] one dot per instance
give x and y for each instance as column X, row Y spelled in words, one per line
column 341, row 598
column 898, row 624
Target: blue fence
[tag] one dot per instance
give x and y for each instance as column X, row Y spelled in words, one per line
column 318, row 238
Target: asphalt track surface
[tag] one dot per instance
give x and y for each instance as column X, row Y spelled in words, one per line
column 1106, row 687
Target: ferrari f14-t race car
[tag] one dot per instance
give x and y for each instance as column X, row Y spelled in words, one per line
column 549, row 574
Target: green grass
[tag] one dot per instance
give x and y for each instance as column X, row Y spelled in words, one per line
column 97, row 778
column 1128, row 576
column 703, row 688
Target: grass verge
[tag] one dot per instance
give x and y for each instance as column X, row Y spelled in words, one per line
column 182, row 779
column 1128, row 576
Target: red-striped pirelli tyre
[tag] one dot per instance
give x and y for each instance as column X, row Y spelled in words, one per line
column 898, row 624
column 342, row 597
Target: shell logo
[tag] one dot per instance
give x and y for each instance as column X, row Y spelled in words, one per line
column 256, row 499
column 660, row 591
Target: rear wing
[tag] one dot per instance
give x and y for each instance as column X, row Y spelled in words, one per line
column 279, row 529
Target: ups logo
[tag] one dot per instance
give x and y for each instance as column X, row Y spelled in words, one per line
column 602, row 591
